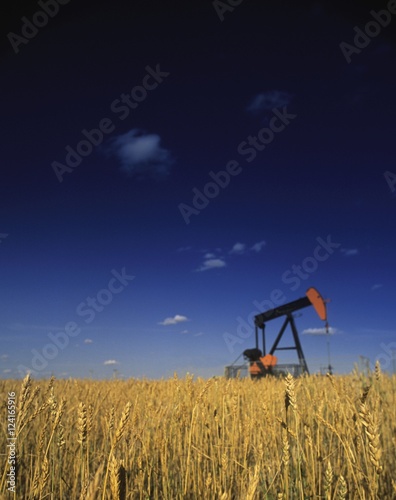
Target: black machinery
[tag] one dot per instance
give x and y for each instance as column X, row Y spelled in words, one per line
column 261, row 363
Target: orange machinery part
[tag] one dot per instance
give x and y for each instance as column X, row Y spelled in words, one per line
column 318, row 302
column 269, row 360
column 254, row 369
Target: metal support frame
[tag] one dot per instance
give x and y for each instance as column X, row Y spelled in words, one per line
column 285, row 310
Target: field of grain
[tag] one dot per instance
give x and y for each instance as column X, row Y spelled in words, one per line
column 315, row 437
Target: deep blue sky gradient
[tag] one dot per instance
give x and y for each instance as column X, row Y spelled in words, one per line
column 321, row 177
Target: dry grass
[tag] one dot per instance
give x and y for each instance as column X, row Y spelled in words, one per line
column 309, row 438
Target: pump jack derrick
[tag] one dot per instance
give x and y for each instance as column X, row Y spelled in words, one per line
column 259, row 362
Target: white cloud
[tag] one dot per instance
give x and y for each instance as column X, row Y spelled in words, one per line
column 348, row 252
column 7, row 370
column 88, row 341
column 238, row 248
column 241, row 248
column 257, row 247
column 320, row 331
column 198, row 334
column 184, row 332
column 376, row 286
column 111, row 362
column 184, row 249
column 141, row 154
column 212, row 264
column 209, row 255
column 173, row 321
column 268, row 100
column 3, row 357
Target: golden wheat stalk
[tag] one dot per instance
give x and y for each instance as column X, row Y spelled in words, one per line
column 365, row 393
column 328, row 479
column 377, row 371
column 119, row 433
column 82, row 424
column 117, row 479
column 25, row 391
column 290, row 394
column 285, row 448
column 342, row 488
column 36, row 484
column 371, row 430
column 123, row 423
column 45, row 470
column 253, row 483
column 61, row 436
column 59, row 413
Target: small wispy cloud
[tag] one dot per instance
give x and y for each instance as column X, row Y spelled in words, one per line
column 212, row 264
column 320, row 331
column 349, row 252
column 183, row 249
column 7, row 370
column 178, row 318
column 88, row 341
column 110, row 362
column 241, row 248
column 4, row 357
column 266, row 101
column 141, row 155
column 199, row 334
column 376, row 286
column 238, row 248
column 209, row 255
column 257, row 247
column 184, row 332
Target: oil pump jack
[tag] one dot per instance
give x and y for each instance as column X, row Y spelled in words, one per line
column 259, row 362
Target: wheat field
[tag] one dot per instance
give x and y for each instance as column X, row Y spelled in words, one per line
column 315, row 437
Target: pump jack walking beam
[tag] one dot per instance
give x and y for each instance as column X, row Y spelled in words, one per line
column 262, row 318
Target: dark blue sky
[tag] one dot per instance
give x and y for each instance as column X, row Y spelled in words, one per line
column 124, row 253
